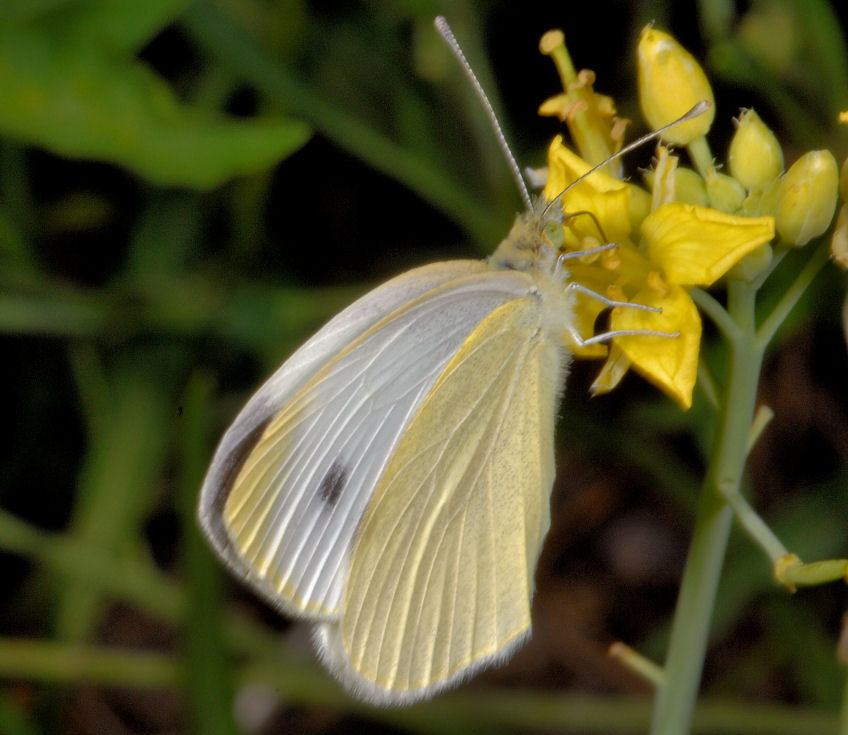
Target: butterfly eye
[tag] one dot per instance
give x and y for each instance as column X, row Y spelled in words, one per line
column 554, row 235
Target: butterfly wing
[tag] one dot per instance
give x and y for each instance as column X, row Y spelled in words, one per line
column 292, row 477
column 441, row 576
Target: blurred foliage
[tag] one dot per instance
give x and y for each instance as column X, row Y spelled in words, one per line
column 187, row 189
column 73, row 85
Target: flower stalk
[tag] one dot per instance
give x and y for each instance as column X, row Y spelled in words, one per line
column 675, row 698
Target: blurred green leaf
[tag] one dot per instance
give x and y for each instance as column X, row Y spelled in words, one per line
column 13, row 720
column 81, row 100
column 12, row 245
column 119, row 24
column 128, row 440
column 28, row 10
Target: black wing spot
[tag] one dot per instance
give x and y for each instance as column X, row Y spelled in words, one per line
column 331, row 486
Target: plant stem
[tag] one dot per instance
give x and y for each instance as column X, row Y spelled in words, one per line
column 791, row 296
column 756, row 527
column 714, row 310
column 675, row 699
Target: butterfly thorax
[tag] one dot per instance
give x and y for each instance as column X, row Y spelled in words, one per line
column 528, row 249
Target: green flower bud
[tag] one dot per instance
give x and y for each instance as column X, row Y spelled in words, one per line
column 689, row 188
column 671, row 83
column 752, row 264
column 768, row 199
column 806, row 197
column 839, row 243
column 725, row 193
column 755, row 156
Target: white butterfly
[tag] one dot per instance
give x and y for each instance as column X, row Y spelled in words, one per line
column 391, row 480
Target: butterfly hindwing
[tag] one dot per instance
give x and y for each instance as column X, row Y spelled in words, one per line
column 441, row 576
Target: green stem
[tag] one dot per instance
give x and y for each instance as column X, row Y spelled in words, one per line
column 675, row 700
column 715, row 311
column 778, row 315
column 707, row 384
column 208, row 673
column 761, row 420
column 51, row 661
column 471, row 711
column 753, row 524
column 637, row 663
column 777, row 258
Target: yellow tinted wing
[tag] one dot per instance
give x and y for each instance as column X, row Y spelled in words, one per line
column 290, row 512
column 441, row 576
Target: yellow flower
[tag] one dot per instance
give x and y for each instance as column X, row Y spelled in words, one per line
column 658, row 259
column 590, row 116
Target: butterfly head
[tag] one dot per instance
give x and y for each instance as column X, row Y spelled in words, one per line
column 533, row 243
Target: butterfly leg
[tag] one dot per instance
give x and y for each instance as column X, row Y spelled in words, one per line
column 613, row 333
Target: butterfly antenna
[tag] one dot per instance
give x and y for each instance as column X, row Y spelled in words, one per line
column 447, row 34
column 698, row 109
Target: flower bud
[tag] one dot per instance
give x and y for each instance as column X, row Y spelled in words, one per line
column 839, row 243
column 752, row 264
column 671, row 82
column 806, row 197
column 843, row 181
column 725, row 193
column 766, row 202
column 688, row 186
column 755, row 156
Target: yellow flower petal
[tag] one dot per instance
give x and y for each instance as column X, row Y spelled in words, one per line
column 605, row 196
column 609, row 209
column 586, row 311
column 566, row 166
column 695, row 246
column 614, row 369
column 557, row 106
column 670, row 363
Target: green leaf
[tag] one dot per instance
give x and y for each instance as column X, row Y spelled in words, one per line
column 128, row 422
column 119, row 24
column 78, row 100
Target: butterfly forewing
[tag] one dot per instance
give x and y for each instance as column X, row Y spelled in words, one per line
column 441, row 575
column 295, row 477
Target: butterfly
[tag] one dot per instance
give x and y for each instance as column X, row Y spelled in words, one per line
column 391, row 480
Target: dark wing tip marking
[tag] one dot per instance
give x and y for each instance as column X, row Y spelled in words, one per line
column 331, row 486
column 234, row 463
